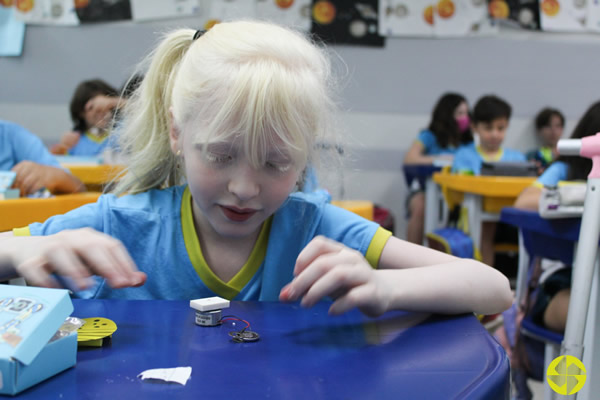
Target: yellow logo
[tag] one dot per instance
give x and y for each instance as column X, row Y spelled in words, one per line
column 566, row 375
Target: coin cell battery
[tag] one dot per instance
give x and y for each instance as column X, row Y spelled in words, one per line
column 208, row 310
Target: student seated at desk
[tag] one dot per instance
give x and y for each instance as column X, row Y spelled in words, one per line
column 490, row 121
column 92, row 110
column 24, row 153
column 448, row 130
column 549, row 125
column 552, row 301
column 237, row 111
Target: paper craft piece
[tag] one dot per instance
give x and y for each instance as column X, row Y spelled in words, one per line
column 47, row 12
column 563, row 15
column 179, row 375
column 293, row 13
column 6, row 179
column 12, row 33
column 142, row 10
column 93, row 332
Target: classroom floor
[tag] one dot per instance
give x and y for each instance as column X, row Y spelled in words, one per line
column 537, row 388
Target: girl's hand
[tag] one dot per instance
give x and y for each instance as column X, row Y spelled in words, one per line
column 328, row 268
column 76, row 254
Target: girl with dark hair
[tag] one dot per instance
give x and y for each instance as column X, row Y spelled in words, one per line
column 92, row 110
column 448, row 130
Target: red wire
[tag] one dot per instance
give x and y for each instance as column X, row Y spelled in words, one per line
column 229, row 318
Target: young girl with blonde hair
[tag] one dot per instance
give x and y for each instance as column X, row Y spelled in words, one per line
column 235, row 113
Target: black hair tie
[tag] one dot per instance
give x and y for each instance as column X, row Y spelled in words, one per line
column 198, row 34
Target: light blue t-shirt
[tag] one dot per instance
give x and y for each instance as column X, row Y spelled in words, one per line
column 157, row 229
column 468, row 159
column 18, row 144
column 89, row 145
column 431, row 145
column 557, row 171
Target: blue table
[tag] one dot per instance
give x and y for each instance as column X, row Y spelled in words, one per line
column 302, row 353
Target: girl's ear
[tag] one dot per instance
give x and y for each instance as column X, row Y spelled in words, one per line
column 174, row 134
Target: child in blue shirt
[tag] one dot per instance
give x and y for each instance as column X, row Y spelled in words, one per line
column 236, row 112
column 552, row 301
column 448, row 130
column 549, row 125
column 490, row 121
column 92, row 110
column 24, row 153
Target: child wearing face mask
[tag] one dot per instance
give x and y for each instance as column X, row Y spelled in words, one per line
column 448, row 130
column 549, row 125
column 236, row 113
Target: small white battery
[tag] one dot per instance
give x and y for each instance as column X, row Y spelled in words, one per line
column 208, row 318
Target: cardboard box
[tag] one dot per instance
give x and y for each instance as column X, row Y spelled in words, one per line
column 29, row 318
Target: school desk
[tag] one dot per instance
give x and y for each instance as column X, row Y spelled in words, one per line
column 556, row 239
column 482, row 196
column 95, row 176
column 301, row 354
column 16, row 213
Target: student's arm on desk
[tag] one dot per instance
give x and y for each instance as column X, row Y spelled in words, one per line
column 529, row 198
column 32, row 177
column 77, row 254
column 415, row 155
column 409, row 277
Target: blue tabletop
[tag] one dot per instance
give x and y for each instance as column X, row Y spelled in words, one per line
column 302, row 353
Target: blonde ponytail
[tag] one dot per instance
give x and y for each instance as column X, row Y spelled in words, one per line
column 144, row 137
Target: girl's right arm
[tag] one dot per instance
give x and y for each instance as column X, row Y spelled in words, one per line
column 76, row 254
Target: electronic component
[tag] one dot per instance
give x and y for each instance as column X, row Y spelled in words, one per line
column 208, row 310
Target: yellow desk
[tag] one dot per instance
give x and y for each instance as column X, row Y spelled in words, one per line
column 95, row 174
column 16, row 213
column 361, row 207
column 482, row 196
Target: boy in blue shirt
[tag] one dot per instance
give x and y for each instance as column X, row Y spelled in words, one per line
column 490, row 121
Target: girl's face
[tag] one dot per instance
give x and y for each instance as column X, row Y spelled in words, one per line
column 551, row 133
column 231, row 198
column 461, row 111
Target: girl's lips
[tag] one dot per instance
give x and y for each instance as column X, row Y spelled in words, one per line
column 237, row 214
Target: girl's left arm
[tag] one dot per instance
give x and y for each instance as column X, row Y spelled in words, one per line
column 409, row 277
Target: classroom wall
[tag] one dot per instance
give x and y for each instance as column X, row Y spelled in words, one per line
column 386, row 96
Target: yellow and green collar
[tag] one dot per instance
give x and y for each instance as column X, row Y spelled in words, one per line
column 232, row 288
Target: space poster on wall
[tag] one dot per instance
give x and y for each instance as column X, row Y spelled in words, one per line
column 293, row 13
column 441, row 18
column 345, row 22
column 46, row 12
column 144, row 10
column 102, row 10
column 563, row 15
column 215, row 11
column 519, row 13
